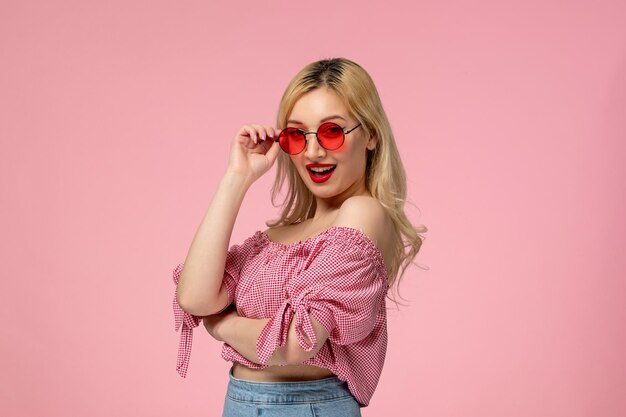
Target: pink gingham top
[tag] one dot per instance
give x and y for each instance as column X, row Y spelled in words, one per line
column 338, row 276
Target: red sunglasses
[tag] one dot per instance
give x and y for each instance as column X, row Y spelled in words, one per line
column 329, row 135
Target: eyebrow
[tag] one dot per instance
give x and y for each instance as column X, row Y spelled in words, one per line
column 334, row 116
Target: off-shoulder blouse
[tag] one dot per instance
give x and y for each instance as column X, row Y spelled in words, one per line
column 337, row 276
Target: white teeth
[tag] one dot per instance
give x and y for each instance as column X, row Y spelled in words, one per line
column 321, row 169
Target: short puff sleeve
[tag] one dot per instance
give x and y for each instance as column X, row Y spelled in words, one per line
column 342, row 284
column 235, row 259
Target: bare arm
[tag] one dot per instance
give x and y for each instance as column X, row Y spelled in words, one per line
column 200, row 291
column 242, row 334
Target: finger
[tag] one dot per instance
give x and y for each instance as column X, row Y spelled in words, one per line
column 270, row 131
column 272, row 154
column 260, row 131
column 251, row 132
column 267, row 145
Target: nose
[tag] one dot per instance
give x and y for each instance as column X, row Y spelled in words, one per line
column 313, row 149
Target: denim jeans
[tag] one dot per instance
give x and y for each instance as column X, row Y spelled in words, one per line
column 328, row 397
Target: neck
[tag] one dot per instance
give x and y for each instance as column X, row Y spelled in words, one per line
column 325, row 207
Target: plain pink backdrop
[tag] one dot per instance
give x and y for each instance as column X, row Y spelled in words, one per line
column 115, row 122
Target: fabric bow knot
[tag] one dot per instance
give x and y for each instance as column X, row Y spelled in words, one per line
column 186, row 322
column 276, row 330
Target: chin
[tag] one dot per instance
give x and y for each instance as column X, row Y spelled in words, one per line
column 325, row 194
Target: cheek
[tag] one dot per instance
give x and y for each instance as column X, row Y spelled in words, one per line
column 295, row 161
column 297, row 164
column 350, row 154
column 353, row 148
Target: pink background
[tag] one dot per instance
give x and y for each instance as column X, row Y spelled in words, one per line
column 115, row 123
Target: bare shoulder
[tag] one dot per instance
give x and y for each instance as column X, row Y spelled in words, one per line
column 287, row 233
column 368, row 215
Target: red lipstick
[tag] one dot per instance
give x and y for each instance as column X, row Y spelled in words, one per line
column 320, row 177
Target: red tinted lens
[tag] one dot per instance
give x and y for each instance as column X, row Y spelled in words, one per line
column 330, row 136
column 291, row 140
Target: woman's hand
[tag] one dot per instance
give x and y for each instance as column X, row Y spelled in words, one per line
column 215, row 322
column 253, row 151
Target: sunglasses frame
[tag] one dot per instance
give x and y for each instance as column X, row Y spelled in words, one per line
column 306, row 142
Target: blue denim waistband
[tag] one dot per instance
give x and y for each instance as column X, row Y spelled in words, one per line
column 326, row 389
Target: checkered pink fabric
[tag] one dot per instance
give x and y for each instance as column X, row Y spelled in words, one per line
column 337, row 276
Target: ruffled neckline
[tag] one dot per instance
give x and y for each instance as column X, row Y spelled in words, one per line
column 342, row 230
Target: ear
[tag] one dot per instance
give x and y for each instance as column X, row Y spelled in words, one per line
column 372, row 142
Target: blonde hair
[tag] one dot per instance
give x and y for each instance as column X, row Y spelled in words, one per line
column 385, row 177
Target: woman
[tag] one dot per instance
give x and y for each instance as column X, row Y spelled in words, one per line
column 309, row 330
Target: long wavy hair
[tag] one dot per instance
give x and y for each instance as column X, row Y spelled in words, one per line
column 385, row 176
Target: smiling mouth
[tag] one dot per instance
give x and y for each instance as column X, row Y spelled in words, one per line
column 320, row 173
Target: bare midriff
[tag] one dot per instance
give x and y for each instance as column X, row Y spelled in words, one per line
column 285, row 373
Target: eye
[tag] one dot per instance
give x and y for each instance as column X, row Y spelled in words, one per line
column 295, row 133
column 331, row 130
